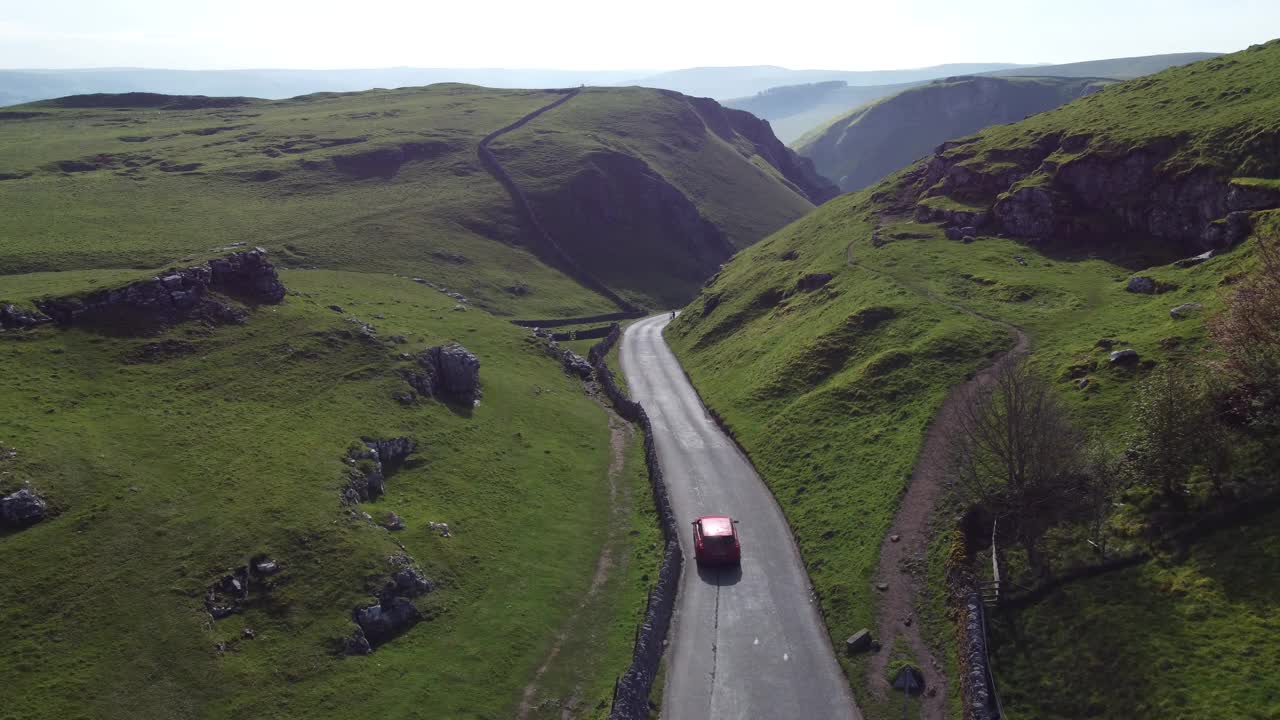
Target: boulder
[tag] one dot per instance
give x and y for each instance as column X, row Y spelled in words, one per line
column 391, row 453
column 1124, row 357
column 1228, row 231
column 952, row 233
column 813, row 281
column 858, row 642
column 1178, row 312
column 367, row 479
column 21, row 508
column 393, row 522
column 385, row 620
column 1141, row 284
column 357, row 644
column 790, row 255
column 247, row 274
column 265, row 566
column 970, row 231
column 969, row 238
column 406, row 582
column 14, row 317
column 576, row 364
column 1020, row 260
column 337, row 308
column 454, row 372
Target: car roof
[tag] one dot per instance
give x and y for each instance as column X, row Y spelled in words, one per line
column 713, row 525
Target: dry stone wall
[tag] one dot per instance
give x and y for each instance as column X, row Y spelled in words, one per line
column 631, row 693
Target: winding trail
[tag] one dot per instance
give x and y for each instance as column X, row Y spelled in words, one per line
column 903, row 563
column 747, row 642
column 544, row 238
column 620, row 433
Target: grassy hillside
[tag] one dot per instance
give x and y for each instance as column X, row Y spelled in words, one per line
column 874, row 141
column 829, row 391
column 381, row 181
column 646, row 188
column 1115, row 68
column 798, row 110
column 171, row 459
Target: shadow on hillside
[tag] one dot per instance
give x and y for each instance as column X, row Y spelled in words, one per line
column 1131, row 252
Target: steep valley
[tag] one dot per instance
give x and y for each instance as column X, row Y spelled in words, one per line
column 828, row 348
column 270, row 442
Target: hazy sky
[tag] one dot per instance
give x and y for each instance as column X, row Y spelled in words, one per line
column 611, row 34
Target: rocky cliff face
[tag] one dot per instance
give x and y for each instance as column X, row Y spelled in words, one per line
column 798, row 171
column 1089, row 198
column 866, row 145
column 174, row 295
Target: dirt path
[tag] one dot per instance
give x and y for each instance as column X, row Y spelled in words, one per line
column 620, row 432
column 904, row 550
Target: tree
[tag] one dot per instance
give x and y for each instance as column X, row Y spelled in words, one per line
column 1248, row 333
column 1102, row 480
column 1177, row 433
column 1015, row 456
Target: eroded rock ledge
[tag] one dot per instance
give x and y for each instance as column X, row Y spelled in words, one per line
column 1060, row 188
column 171, row 296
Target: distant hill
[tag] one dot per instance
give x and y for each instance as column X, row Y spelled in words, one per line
column 795, row 110
column 1116, row 68
column 651, row 189
column 733, row 82
column 877, row 139
column 22, row 86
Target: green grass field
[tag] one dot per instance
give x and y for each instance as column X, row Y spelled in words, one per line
column 167, row 472
column 264, row 174
column 167, row 467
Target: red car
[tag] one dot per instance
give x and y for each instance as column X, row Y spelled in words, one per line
column 715, row 540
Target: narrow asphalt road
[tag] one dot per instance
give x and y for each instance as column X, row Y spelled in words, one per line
column 748, row 642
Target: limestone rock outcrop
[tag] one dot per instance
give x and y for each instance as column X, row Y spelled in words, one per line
column 393, row 613
column 21, row 509
column 448, row 371
column 1092, row 198
column 372, row 460
column 175, row 294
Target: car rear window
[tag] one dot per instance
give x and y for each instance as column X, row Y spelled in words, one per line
column 718, row 541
